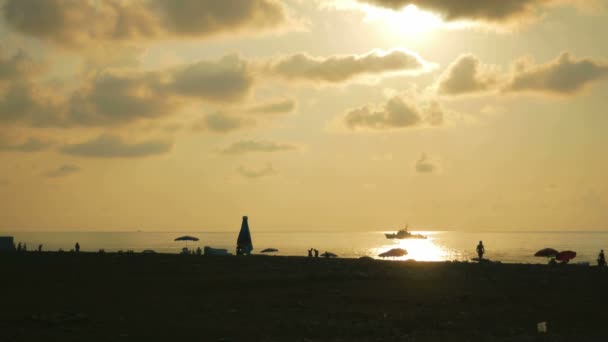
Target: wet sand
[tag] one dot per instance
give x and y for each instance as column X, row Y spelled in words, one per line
column 111, row 297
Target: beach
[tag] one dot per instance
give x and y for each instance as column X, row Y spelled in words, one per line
column 119, row 297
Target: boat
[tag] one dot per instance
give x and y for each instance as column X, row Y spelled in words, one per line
column 404, row 234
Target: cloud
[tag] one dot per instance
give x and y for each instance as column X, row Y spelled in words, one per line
column 564, row 75
column 30, row 145
column 341, row 68
column 494, row 11
column 18, row 66
column 63, row 171
column 247, row 146
column 111, row 146
column 466, row 75
column 251, row 173
column 426, row 164
column 77, row 22
column 221, row 122
column 273, row 107
column 115, row 97
column 397, row 113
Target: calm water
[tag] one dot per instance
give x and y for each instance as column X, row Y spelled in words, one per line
column 441, row 245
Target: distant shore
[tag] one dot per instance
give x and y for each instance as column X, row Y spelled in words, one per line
column 116, row 297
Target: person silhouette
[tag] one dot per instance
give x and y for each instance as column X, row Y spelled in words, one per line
column 601, row 259
column 40, row 248
column 77, row 247
column 481, row 250
column 199, row 251
column 310, row 253
column 19, row 247
column 316, row 253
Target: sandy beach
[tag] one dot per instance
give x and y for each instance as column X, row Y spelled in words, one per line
column 112, row 297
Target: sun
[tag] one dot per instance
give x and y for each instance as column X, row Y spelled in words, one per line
column 409, row 21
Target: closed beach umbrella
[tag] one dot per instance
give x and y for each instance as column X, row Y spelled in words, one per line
column 546, row 252
column 269, row 250
column 395, row 252
column 565, row 256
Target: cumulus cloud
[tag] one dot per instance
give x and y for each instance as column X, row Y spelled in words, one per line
column 340, row 68
column 256, row 173
column 63, row 171
column 273, row 107
column 248, row 146
column 18, row 66
column 426, row 164
column 477, row 10
column 466, row 75
column 118, row 97
column 564, row 75
column 30, row 145
column 397, row 113
column 111, row 146
column 77, row 22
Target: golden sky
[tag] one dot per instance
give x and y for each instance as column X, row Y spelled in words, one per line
column 303, row 114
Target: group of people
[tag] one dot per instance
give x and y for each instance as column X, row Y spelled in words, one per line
column 23, row 247
column 313, row 251
column 197, row 251
column 481, row 250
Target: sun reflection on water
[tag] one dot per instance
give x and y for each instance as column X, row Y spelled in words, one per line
column 417, row 249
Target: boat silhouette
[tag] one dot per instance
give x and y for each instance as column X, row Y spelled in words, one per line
column 404, row 234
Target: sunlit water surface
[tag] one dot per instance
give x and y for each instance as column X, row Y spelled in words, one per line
column 439, row 246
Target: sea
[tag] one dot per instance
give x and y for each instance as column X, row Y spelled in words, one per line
column 506, row 247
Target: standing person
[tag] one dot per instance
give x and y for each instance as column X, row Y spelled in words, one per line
column 310, row 253
column 19, row 247
column 316, row 253
column 481, row 250
column 601, row 259
column 40, row 248
column 77, row 247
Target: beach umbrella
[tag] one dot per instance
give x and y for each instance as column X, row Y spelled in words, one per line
column 395, row 252
column 329, row 255
column 269, row 250
column 186, row 238
column 546, row 252
column 243, row 242
column 565, row 256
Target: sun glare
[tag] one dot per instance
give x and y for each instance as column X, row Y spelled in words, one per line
column 409, row 21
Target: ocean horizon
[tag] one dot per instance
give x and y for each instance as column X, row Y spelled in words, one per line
column 503, row 246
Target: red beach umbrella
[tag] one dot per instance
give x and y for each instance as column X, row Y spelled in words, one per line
column 565, row 256
column 546, row 252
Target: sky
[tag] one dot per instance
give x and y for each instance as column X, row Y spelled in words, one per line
column 316, row 115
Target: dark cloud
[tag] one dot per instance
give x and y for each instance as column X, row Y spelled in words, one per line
column 251, row 173
column 340, row 68
column 563, row 76
column 273, row 107
column 395, row 114
column 225, row 80
column 220, row 122
column 77, row 22
column 30, row 145
column 110, row 146
column 63, row 171
column 426, row 164
column 483, row 10
column 18, row 66
column 113, row 97
column 247, row 146
column 465, row 76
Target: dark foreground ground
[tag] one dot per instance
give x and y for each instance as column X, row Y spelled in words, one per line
column 90, row 297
